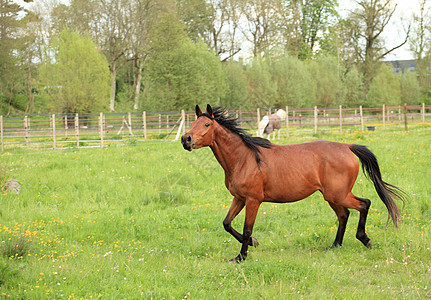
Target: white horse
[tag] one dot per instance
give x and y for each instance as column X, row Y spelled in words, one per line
column 270, row 123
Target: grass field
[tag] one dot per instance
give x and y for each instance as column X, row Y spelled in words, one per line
column 145, row 221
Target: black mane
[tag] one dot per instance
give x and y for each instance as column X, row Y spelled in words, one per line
column 221, row 116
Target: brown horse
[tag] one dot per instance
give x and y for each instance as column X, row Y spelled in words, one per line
column 258, row 171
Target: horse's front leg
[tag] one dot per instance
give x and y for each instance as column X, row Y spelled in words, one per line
column 235, row 208
column 251, row 209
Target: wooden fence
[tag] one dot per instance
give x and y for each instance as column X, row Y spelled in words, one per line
column 64, row 131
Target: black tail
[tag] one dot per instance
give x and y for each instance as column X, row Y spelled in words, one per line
column 385, row 190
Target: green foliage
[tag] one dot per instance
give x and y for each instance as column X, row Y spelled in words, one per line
column 316, row 16
column 181, row 73
column 354, row 88
column 197, row 15
column 426, row 96
column 11, row 73
column 78, row 79
column 385, row 88
column 165, row 55
column 410, row 89
column 15, row 248
column 236, row 95
column 294, row 83
column 261, row 88
column 327, row 73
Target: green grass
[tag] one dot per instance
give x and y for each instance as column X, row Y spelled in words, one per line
column 144, row 220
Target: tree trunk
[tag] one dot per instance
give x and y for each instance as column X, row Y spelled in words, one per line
column 30, row 96
column 113, row 87
column 138, row 79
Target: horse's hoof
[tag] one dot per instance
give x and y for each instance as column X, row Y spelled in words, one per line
column 369, row 244
column 237, row 259
column 254, row 242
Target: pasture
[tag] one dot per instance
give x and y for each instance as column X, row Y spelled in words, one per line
column 144, row 220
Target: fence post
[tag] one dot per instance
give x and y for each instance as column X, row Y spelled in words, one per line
column 1, row 132
column 54, row 137
column 341, row 118
column 144, row 123
column 167, row 124
column 423, row 112
column 384, row 117
column 361, row 115
column 287, row 121
column 65, row 125
column 77, row 129
column 315, row 119
column 182, row 125
column 183, row 116
column 26, row 130
column 101, row 129
column 160, row 124
column 129, row 126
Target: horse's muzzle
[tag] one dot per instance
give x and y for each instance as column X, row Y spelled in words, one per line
column 186, row 140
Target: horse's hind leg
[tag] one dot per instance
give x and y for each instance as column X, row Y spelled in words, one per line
column 360, row 204
column 235, row 208
column 363, row 213
column 343, row 216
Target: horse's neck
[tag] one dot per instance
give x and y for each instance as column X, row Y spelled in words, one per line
column 228, row 148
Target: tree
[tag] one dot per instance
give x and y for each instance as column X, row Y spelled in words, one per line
column 77, row 80
column 261, row 88
column 261, row 26
column 368, row 23
column 353, row 82
column 11, row 41
column 236, row 95
column 304, row 24
column 293, row 81
column 327, row 77
column 180, row 73
column 420, row 45
column 337, row 41
column 385, row 88
column 197, row 16
column 316, row 15
column 410, row 88
column 143, row 18
column 215, row 22
column 109, row 23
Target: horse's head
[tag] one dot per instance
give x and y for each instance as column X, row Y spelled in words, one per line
column 202, row 132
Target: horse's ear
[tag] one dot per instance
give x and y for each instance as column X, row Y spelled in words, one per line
column 198, row 111
column 209, row 110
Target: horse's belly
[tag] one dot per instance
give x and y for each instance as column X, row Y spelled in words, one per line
column 291, row 186
column 281, row 196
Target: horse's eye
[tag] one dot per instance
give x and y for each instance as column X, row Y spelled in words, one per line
column 207, row 125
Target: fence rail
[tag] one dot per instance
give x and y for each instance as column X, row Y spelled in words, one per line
column 50, row 131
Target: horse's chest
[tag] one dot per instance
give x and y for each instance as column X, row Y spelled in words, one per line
column 242, row 188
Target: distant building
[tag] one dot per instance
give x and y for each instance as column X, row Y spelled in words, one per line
column 402, row 65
